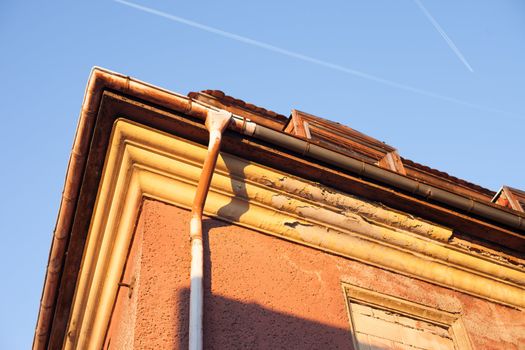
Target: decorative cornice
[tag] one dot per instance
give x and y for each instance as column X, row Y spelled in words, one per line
column 142, row 162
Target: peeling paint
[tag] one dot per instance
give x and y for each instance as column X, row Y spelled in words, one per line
column 485, row 253
column 295, row 224
column 349, row 205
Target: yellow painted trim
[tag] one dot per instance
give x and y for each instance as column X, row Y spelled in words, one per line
column 143, row 162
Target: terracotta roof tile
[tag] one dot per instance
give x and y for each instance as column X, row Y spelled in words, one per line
column 232, row 101
column 446, row 176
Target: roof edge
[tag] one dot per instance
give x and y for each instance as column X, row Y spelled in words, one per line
column 100, row 79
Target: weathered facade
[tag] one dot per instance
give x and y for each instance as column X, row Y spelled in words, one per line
column 315, row 236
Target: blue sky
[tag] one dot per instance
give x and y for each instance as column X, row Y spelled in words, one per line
column 467, row 123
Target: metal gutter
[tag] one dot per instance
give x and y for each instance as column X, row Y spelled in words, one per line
column 384, row 176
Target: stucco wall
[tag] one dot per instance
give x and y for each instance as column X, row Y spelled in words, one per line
column 266, row 293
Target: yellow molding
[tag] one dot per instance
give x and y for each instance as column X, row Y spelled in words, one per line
column 142, row 162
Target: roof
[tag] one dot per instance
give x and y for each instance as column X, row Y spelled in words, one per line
column 343, row 139
column 441, row 175
column 258, row 114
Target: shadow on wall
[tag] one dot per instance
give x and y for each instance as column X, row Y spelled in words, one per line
column 233, row 324
column 236, row 324
column 238, row 204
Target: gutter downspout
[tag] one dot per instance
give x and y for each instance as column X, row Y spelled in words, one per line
column 216, row 123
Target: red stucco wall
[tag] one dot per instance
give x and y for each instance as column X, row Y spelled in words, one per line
column 262, row 292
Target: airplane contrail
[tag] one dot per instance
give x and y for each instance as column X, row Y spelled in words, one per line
column 306, row 58
column 444, row 35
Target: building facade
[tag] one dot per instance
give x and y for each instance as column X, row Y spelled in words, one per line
column 314, row 236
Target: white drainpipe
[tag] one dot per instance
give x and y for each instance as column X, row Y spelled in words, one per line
column 216, row 123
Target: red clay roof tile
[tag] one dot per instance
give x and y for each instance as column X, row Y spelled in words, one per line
column 222, row 97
